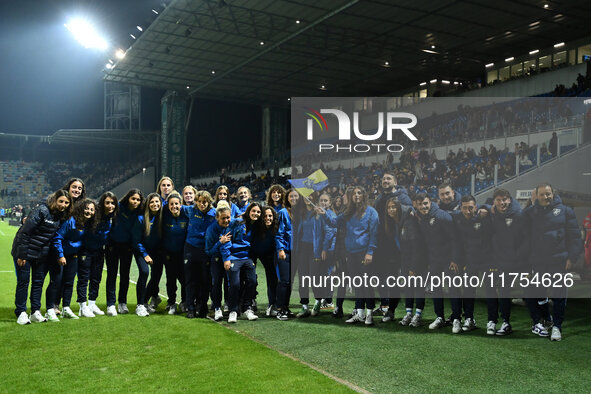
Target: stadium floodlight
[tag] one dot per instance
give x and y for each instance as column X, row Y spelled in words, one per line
column 560, row 44
column 489, row 65
column 139, row 28
column 154, row 11
column 120, row 54
column 509, row 59
column 86, row 34
column 433, row 81
column 534, row 51
column 445, row 82
column 422, row 83
column 108, row 66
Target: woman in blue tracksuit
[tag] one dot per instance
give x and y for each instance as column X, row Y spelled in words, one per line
column 68, row 244
column 189, row 193
column 275, row 196
column 235, row 257
column 243, row 200
column 217, row 235
column 222, row 193
column 263, row 249
column 90, row 267
column 146, row 237
column 174, row 233
column 284, row 244
column 119, row 251
column 32, row 254
column 360, row 225
column 197, row 268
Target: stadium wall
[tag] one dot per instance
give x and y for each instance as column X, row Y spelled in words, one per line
column 143, row 181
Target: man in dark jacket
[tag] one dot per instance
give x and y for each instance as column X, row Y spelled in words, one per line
column 436, row 228
column 509, row 251
column 449, row 199
column 555, row 245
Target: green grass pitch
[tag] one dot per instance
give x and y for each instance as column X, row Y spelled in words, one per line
column 171, row 353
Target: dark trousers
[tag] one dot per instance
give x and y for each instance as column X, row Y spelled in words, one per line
column 217, row 276
column 69, row 272
column 53, row 291
column 197, row 277
column 283, row 269
column 364, row 298
column 539, row 308
column 90, row 273
column 271, row 275
column 118, row 257
column 34, row 271
column 156, row 269
column 173, row 264
column 142, row 280
column 237, row 267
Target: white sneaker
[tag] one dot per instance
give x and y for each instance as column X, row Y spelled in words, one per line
column 122, row 308
column 271, row 311
column 405, row 321
column 95, row 309
column 369, row 318
column 233, row 317
column 250, row 315
column 67, row 312
column 469, row 324
column 539, row 329
column 171, row 309
column 85, row 311
column 111, row 310
column 491, row 328
column 389, row 316
column 416, row 321
column 141, row 311
column 356, row 318
column 218, row 315
column 23, row 319
column 51, row 316
column 37, row 317
column 438, row 323
column 456, row 326
column 556, row 334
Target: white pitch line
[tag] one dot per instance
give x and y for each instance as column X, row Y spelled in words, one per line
column 7, row 271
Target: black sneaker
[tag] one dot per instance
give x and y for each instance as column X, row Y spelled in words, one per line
column 190, row 314
column 337, row 313
column 203, row 313
column 282, row 315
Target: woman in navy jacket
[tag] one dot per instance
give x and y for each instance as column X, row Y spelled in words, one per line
column 147, row 234
column 90, row 268
column 68, row 244
column 263, row 249
column 119, row 250
column 174, row 233
column 32, row 253
column 197, row 268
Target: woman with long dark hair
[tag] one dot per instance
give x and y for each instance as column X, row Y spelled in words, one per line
column 147, row 234
column 275, row 196
column 90, row 268
column 76, row 188
column 32, row 255
column 68, row 244
column 263, row 249
column 119, row 251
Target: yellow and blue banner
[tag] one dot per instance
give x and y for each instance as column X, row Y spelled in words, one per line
column 314, row 182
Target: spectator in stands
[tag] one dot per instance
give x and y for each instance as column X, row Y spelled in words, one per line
column 553, row 144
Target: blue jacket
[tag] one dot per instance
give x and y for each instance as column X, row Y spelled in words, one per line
column 96, row 240
column 454, row 205
column 319, row 231
column 361, row 233
column 123, row 224
column 283, row 238
column 473, row 236
column 437, row 232
column 198, row 225
column 174, row 231
column 239, row 210
column 555, row 235
column 68, row 239
column 510, row 241
column 142, row 243
column 237, row 248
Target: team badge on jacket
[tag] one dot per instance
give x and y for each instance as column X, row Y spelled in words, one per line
column 556, row 211
column 432, row 221
column 508, row 222
column 477, row 226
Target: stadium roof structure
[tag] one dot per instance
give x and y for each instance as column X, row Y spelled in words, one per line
column 269, row 50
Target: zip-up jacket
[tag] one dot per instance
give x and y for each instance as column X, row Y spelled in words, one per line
column 199, row 222
column 68, row 239
column 361, row 233
column 34, row 240
column 174, row 231
column 123, row 223
column 473, row 236
column 510, row 241
column 142, row 243
column 96, row 240
column 437, row 232
column 283, row 238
